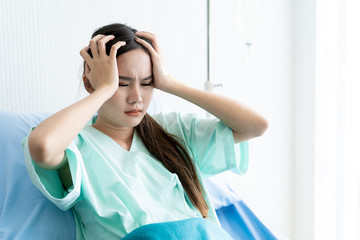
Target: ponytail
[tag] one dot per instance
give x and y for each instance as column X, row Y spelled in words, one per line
column 168, row 150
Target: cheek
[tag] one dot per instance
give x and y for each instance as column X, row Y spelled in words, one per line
column 148, row 94
column 118, row 97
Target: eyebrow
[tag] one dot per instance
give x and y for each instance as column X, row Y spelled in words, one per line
column 130, row 79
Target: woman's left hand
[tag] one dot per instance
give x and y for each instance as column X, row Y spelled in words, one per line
column 161, row 80
column 244, row 122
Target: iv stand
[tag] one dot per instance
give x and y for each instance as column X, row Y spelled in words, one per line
column 209, row 86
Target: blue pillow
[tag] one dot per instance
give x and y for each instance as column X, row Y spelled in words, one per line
column 24, row 211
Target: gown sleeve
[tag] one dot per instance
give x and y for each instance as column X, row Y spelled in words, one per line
column 48, row 181
column 209, row 141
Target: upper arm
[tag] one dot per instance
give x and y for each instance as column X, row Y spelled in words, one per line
column 209, row 141
column 62, row 168
column 57, row 162
column 53, row 180
column 65, row 174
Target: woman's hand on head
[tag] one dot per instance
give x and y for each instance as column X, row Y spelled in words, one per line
column 161, row 80
column 101, row 69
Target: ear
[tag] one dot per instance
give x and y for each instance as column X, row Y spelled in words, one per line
column 87, row 84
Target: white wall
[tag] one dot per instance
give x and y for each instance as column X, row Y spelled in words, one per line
column 40, row 65
column 40, row 70
column 304, row 36
column 261, row 79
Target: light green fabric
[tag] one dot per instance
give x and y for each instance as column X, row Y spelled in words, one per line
column 115, row 191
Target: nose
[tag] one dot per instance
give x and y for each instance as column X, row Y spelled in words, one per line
column 135, row 95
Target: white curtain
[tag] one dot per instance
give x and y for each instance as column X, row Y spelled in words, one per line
column 337, row 173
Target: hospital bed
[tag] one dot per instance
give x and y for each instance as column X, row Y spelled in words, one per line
column 26, row 214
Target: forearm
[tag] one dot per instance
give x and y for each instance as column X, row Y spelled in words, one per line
column 54, row 134
column 244, row 122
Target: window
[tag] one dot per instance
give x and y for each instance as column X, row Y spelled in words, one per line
column 337, row 173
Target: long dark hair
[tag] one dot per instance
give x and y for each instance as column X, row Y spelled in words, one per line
column 162, row 145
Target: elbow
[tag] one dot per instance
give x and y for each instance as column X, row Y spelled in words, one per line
column 37, row 150
column 263, row 125
column 43, row 155
column 256, row 131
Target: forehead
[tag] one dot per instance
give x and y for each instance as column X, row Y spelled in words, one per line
column 133, row 63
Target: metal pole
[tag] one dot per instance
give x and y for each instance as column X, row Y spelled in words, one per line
column 208, row 39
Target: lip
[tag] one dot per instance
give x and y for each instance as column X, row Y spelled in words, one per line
column 134, row 112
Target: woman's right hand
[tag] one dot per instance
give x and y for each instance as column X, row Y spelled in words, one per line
column 101, row 69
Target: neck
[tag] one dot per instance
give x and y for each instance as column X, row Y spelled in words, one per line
column 122, row 135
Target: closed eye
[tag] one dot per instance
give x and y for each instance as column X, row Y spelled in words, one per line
column 143, row 84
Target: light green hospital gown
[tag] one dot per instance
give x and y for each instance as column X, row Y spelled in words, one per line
column 116, row 191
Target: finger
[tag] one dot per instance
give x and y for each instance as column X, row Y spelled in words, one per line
column 148, row 47
column 148, row 35
column 94, row 45
column 115, row 47
column 152, row 37
column 87, row 69
column 85, row 55
column 102, row 44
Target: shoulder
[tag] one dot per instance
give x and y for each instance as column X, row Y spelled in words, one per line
column 186, row 124
column 166, row 119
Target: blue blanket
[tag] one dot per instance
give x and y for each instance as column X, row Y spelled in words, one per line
column 193, row 228
column 241, row 223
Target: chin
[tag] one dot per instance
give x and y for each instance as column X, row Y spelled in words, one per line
column 135, row 121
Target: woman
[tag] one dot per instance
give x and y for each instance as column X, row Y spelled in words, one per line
column 126, row 169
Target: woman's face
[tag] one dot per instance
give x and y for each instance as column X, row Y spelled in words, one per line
column 127, row 107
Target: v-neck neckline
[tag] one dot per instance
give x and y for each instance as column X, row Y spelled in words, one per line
column 113, row 142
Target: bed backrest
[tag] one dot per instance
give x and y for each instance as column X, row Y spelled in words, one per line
column 24, row 212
